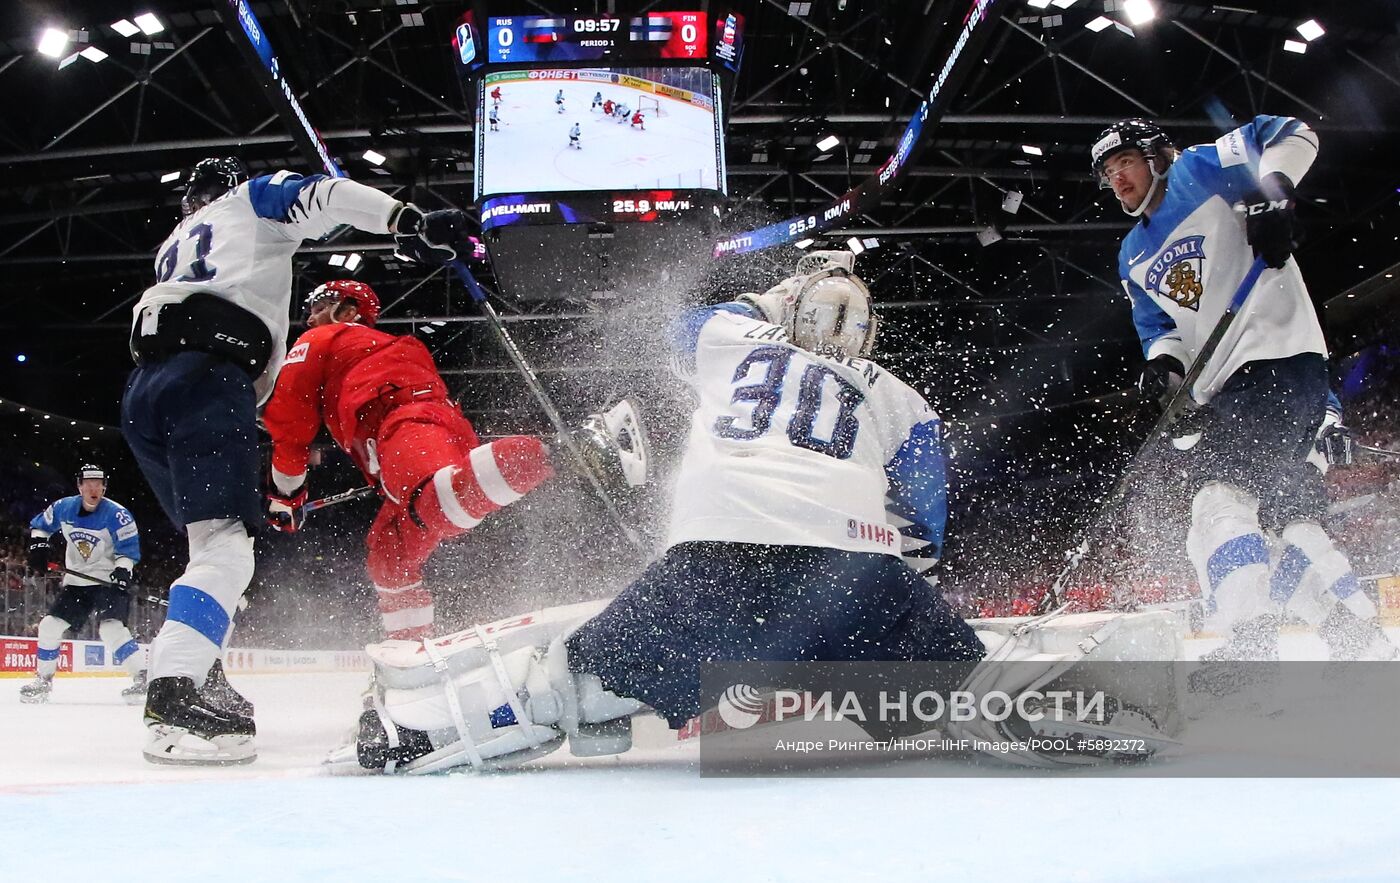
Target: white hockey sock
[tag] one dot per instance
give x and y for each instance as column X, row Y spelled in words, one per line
column 123, row 647
column 51, row 630
column 203, row 600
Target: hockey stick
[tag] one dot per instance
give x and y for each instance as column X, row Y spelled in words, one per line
column 59, row 568
column 358, row 493
column 1054, row 596
column 478, row 294
column 1384, row 452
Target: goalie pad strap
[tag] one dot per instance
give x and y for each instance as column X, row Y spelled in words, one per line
column 453, row 703
column 512, row 695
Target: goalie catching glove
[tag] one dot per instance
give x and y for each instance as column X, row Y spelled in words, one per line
column 430, row 239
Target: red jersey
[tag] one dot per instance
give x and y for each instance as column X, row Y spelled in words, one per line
column 348, row 376
column 637, row 118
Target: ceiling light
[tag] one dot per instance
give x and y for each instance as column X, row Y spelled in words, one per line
column 988, row 235
column 1032, row 150
column 1294, row 46
column 1310, row 30
column 52, row 42
column 352, row 262
column 1139, row 12
column 872, row 242
column 125, row 28
column 375, row 157
column 67, row 61
column 1065, row 4
column 804, row 243
column 1098, row 24
column 337, row 260
column 855, row 245
column 827, row 143
column 93, row 54
column 149, row 24
column 169, row 176
column 1038, row 4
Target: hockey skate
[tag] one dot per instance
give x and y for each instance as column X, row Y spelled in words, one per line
column 614, row 446
column 1247, row 661
column 187, row 730
column 136, row 693
column 1350, row 638
column 36, row 691
column 219, row 693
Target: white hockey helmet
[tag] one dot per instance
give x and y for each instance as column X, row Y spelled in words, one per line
column 831, row 314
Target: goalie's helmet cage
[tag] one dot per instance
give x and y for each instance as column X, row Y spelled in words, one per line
column 831, row 315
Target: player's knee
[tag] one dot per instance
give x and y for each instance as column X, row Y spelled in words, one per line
column 113, row 633
column 221, row 551
column 1310, row 538
column 1219, row 505
column 51, row 629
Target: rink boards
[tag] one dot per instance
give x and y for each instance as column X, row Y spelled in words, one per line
column 18, row 657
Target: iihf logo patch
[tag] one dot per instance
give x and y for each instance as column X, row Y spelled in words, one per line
column 1176, row 273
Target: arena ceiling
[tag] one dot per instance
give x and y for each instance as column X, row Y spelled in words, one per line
column 1031, row 321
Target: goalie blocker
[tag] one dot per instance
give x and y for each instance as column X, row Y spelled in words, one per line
column 498, row 695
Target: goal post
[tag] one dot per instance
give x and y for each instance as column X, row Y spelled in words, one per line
column 650, row 106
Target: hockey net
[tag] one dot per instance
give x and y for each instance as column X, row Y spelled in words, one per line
column 650, row 106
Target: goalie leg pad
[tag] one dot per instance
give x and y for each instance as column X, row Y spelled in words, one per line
column 1043, row 654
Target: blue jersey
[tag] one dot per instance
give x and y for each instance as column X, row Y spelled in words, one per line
column 98, row 541
column 787, row 447
column 1182, row 266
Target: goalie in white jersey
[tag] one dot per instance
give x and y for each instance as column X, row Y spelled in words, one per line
column 208, row 339
column 780, row 549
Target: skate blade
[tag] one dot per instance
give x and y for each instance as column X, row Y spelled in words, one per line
column 134, row 698
column 177, row 746
column 34, row 700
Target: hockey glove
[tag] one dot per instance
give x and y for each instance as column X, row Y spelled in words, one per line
column 1335, row 445
column 1270, row 223
column 285, row 512
column 431, row 239
column 1160, row 377
column 121, row 578
column 39, row 554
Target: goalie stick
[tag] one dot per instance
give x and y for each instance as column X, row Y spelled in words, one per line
column 1054, row 596
column 564, row 432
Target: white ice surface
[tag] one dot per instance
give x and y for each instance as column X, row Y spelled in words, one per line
column 531, row 153
column 78, row 802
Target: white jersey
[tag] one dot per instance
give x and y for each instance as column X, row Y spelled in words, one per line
column 791, row 448
column 240, row 247
column 1182, row 266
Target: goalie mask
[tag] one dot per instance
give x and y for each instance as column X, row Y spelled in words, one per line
column 831, row 315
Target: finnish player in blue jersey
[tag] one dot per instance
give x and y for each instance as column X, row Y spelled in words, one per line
column 810, row 499
column 102, row 541
column 1205, row 213
column 209, row 338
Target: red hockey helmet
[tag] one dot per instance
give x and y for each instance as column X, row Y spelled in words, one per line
column 358, row 293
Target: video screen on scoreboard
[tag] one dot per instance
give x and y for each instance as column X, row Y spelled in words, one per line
column 624, row 128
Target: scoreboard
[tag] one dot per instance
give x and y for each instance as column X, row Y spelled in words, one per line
column 538, row 38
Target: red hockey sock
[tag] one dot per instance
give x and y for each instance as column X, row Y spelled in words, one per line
column 493, row 476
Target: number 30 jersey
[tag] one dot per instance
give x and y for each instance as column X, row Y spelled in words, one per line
column 787, row 447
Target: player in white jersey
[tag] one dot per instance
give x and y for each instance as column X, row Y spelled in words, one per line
column 102, row 541
column 208, row 339
column 780, row 548
column 1205, row 213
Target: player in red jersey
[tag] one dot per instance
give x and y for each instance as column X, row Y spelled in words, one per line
column 639, row 121
column 382, row 399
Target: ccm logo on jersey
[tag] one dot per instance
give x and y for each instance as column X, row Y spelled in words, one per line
column 876, row 533
column 298, row 353
column 226, row 338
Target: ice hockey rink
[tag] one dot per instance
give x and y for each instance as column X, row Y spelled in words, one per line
column 77, row 795
column 531, row 152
